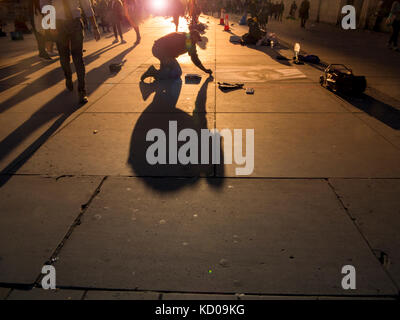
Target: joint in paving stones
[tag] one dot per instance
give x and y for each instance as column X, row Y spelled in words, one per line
column 19, row 286
column 84, row 295
column 379, row 257
column 54, row 257
column 64, row 176
column 383, row 257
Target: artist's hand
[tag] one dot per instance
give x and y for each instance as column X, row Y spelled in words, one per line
column 209, row 71
column 96, row 33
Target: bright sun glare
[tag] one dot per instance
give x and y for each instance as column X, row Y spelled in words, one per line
column 159, row 4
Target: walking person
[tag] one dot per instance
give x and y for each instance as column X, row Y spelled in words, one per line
column 133, row 11
column 69, row 39
column 293, row 9
column 36, row 17
column 304, row 12
column 117, row 13
column 281, row 10
column 178, row 10
column 103, row 13
column 394, row 20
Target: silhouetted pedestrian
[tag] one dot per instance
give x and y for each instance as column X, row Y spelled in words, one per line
column 36, row 17
column 394, row 18
column 178, row 10
column 70, row 39
column 133, row 11
column 117, row 13
column 304, row 12
column 281, row 9
column 293, row 9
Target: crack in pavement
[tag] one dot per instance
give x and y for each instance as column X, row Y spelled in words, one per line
column 354, row 222
column 54, row 257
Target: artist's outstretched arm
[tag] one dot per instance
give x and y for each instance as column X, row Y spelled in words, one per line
column 197, row 62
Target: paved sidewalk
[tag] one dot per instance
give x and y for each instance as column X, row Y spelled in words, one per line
column 363, row 51
column 76, row 191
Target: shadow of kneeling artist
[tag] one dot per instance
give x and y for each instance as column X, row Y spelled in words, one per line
column 176, row 128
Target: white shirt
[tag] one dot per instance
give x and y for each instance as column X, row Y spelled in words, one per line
column 74, row 6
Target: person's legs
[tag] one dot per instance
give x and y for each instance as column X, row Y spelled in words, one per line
column 49, row 47
column 169, row 66
column 77, row 56
column 65, row 60
column 176, row 22
column 119, row 28
column 395, row 34
column 138, row 37
column 172, row 69
column 114, row 26
column 40, row 39
column 41, row 42
column 103, row 24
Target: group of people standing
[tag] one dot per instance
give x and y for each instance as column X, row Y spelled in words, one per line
column 117, row 14
column 265, row 10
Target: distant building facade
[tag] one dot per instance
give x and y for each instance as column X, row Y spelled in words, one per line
column 368, row 11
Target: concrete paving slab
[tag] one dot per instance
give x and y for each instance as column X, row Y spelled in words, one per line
column 187, row 68
column 279, row 97
column 4, row 293
column 103, row 74
column 297, row 241
column 356, row 299
column 312, row 298
column 21, row 133
column 386, row 130
column 121, row 295
column 18, row 131
column 35, row 98
column 124, row 138
column 36, row 214
column 27, row 70
column 390, row 88
column 375, row 206
column 313, row 146
column 257, row 72
column 247, row 297
column 41, row 294
column 129, row 98
column 229, row 49
column 185, row 63
column 202, row 297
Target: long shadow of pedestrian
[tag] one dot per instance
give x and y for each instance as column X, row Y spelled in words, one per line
column 47, row 80
column 161, row 112
column 60, row 108
column 17, row 73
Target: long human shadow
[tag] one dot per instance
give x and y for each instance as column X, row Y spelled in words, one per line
column 158, row 115
column 47, row 80
column 18, row 73
column 60, row 108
